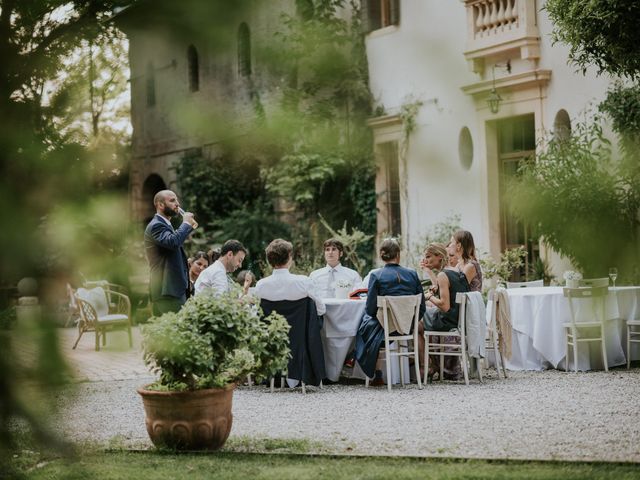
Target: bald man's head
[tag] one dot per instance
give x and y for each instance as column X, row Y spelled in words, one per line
column 161, row 195
column 166, row 203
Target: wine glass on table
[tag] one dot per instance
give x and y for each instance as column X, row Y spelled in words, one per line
column 613, row 274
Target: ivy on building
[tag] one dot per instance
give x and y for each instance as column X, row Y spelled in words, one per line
column 309, row 144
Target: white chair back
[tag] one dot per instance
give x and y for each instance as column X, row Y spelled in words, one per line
column 533, row 283
column 586, row 315
column 476, row 326
column 493, row 333
column 594, row 282
column 596, row 306
column 400, row 305
column 97, row 298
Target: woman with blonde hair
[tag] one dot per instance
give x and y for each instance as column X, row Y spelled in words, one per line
column 441, row 314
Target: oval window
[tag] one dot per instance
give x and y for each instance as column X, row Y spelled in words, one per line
column 465, row 148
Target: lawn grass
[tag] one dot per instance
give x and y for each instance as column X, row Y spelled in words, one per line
column 113, row 465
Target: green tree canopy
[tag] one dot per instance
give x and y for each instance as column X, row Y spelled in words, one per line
column 603, row 33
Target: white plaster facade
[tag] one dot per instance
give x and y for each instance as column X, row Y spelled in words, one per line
column 423, row 58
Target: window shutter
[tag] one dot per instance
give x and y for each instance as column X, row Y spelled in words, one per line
column 151, row 85
column 394, row 17
column 370, row 15
column 193, row 68
column 364, row 16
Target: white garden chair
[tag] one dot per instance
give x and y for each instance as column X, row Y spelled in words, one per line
column 405, row 345
column 101, row 314
column 633, row 336
column 579, row 330
column 442, row 348
column 493, row 333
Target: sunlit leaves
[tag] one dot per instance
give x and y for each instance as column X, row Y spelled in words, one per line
column 603, row 33
column 214, row 341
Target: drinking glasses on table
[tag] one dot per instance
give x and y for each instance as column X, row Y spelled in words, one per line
column 613, row 274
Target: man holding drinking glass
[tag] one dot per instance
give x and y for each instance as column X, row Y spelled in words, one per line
column 169, row 271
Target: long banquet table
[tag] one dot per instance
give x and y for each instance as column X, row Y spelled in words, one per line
column 538, row 341
column 341, row 322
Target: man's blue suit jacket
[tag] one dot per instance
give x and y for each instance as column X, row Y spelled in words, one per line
column 167, row 260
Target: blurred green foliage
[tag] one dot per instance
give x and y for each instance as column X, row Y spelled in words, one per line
column 47, row 175
column 582, row 202
column 510, row 260
column 603, row 34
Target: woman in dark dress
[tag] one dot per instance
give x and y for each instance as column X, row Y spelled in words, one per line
column 391, row 280
column 441, row 314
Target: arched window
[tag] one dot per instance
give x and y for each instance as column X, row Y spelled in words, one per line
column 562, row 126
column 193, row 69
column 151, row 85
column 244, row 50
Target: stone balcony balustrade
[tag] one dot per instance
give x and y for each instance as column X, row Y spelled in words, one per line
column 498, row 29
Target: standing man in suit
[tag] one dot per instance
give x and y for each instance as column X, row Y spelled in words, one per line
column 169, row 282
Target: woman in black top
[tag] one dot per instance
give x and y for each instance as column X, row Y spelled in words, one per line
column 441, row 314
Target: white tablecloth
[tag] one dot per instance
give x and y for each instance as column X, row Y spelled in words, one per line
column 341, row 322
column 538, row 314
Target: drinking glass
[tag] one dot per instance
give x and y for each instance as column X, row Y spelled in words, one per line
column 613, row 274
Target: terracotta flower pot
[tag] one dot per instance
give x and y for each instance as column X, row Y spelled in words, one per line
column 191, row 420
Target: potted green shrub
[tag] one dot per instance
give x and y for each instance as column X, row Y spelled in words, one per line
column 200, row 354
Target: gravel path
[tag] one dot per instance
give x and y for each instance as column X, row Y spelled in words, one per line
column 532, row 415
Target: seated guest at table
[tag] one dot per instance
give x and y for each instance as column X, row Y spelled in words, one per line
column 452, row 262
column 326, row 277
column 390, row 280
column 441, row 314
column 463, row 246
column 214, row 278
column 283, row 285
column 197, row 264
column 246, row 279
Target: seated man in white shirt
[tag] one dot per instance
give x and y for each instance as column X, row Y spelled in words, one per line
column 283, row 285
column 213, row 279
column 326, row 277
